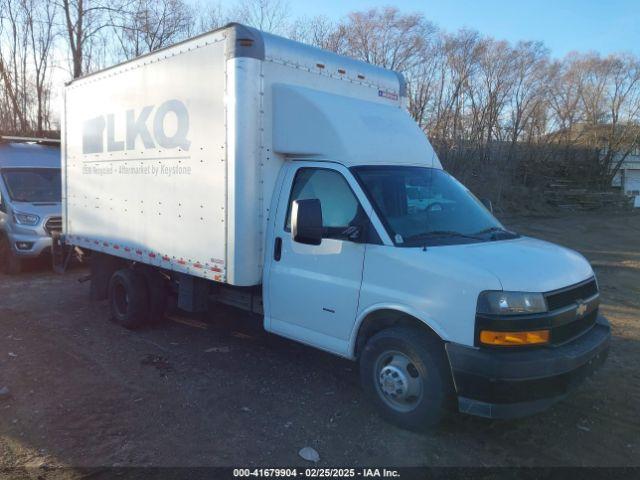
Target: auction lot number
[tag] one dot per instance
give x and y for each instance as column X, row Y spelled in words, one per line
column 315, row 472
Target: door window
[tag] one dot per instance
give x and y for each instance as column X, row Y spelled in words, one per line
column 340, row 207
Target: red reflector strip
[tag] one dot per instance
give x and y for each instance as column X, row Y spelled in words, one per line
column 165, row 258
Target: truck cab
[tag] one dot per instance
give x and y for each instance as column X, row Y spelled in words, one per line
column 30, row 199
column 358, row 270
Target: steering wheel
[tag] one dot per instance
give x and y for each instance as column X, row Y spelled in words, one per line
column 435, row 207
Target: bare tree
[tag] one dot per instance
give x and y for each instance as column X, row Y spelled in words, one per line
column 268, row 15
column 623, row 101
column 13, row 65
column 387, row 38
column 487, row 105
column 40, row 23
column 462, row 51
column 531, row 77
column 488, row 90
column 610, row 98
column 152, row 24
column 209, row 16
column 425, row 83
column 564, row 97
column 84, row 20
column 319, row 31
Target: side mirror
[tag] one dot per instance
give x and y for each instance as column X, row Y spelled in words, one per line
column 306, row 221
column 487, row 203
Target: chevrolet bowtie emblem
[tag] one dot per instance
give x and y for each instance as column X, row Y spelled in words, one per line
column 582, row 309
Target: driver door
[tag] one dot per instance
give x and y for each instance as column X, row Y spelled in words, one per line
column 314, row 289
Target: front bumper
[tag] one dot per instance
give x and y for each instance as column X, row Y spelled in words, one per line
column 40, row 243
column 497, row 383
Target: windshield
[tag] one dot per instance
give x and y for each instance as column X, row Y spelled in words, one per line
column 33, row 185
column 426, row 206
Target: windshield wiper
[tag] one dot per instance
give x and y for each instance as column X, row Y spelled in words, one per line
column 441, row 233
column 496, row 230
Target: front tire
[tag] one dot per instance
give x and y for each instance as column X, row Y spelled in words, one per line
column 128, row 298
column 10, row 263
column 405, row 373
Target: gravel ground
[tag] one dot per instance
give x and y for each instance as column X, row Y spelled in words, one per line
column 218, row 391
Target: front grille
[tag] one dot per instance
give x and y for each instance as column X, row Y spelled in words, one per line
column 568, row 331
column 570, row 295
column 54, row 224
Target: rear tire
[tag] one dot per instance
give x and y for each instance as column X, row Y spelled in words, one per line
column 10, row 263
column 404, row 372
column 128, row 298
column 158, row 294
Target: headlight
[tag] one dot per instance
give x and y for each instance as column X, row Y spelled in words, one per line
column 511, row 303
column 26, row 218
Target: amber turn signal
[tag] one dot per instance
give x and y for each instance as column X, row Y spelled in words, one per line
column 536, row 337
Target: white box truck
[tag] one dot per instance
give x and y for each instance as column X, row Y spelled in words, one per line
column 244, row 168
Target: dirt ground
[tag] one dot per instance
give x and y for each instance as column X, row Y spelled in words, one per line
column 85, row 392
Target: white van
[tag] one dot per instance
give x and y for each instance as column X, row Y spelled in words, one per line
column 255, row 171
column 29, row 199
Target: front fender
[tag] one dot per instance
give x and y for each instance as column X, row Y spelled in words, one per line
column 438, row 287
column 397, row 307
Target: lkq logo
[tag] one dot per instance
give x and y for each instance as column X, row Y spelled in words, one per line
column 149, row 125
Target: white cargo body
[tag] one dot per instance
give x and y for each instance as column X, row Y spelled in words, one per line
column 171, row 159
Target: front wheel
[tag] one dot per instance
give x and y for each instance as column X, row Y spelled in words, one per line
column 404, row 372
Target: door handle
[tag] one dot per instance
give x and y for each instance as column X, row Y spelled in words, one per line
column 277, row 249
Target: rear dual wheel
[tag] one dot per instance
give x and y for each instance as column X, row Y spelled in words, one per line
column 137, row 297
column 157, row 291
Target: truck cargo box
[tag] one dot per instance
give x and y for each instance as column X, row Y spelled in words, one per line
column 171, row 159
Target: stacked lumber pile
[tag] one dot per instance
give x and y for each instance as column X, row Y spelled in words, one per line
column 566, row 195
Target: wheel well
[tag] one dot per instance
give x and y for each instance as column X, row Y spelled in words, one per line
column 103, row 266
column 385, row 318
